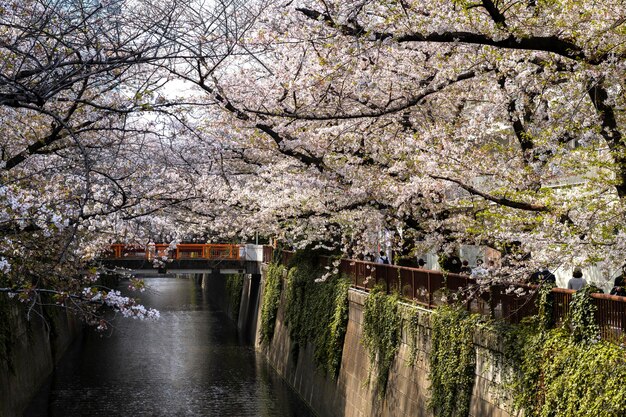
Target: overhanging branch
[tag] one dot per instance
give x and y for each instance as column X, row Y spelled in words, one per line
column 552, row 44
column 520, row 205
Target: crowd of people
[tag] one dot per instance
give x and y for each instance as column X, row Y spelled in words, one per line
column 456, row 266
column 543, row 275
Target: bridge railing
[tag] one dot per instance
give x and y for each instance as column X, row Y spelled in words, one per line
column 160, row 250
column 182, row 251
column 507, row 300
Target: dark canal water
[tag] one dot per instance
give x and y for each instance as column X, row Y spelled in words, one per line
column 189, row 363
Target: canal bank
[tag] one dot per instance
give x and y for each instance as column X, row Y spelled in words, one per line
column 354, row 392
column 31, row 343
column 33, row 339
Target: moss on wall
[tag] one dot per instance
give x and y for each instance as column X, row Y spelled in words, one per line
column 234, row 288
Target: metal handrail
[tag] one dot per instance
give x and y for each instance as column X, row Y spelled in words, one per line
column 430, row 288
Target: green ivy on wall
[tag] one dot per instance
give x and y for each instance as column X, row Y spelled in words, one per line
column 337, row 326
column 316, row 311
column 234, row 288
column 302, row 270
column 582, row 320
column 382, row 326
column 547, row 372
column 566, row 371
column 271, row 300
column 452, row 361
column 415, row 334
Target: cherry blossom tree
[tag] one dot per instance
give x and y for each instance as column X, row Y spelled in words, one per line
column 496, row 123
column 322, row 122
column 84, row 149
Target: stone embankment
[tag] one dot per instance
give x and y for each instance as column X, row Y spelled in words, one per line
column 354, row 392
column 31, row 343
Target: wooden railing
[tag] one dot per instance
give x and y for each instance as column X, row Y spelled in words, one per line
column 181, row 251
column 509, row 301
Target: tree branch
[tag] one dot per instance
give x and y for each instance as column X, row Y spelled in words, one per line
column 520, row 205
column 552, row 44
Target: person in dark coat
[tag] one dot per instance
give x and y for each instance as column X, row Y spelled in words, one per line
column 543, row 276
column 452, row 264
column 466, row 269
column 619, row 286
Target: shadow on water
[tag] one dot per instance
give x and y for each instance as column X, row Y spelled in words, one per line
column 189, row 363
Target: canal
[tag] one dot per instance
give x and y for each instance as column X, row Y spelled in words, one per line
column 189, row 363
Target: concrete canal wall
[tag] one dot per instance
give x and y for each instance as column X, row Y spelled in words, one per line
column 30, row 348
column 248, row 311
column 32, row 341
column 353, row 394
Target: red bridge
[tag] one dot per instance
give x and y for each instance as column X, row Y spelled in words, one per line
column 180, row 258
column 180, row 251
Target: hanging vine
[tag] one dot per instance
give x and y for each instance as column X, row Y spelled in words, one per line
column 337, row 327
column 582, row 318
column 316, row 311
column 452, row 361
column 381, row 333
column 271, row 300
column 414, row 335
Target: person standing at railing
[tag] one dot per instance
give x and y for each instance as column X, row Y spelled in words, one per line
column 577, row 281
column 492, row 267
column 465, row 268
column 479, row 271
column 383, row 258
column 543, row 276
column 619, row 286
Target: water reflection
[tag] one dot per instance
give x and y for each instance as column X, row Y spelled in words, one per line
column 189, row 363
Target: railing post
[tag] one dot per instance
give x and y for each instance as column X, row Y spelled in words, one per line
column 469, row 300
column 430, row 293
column 387, row 279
